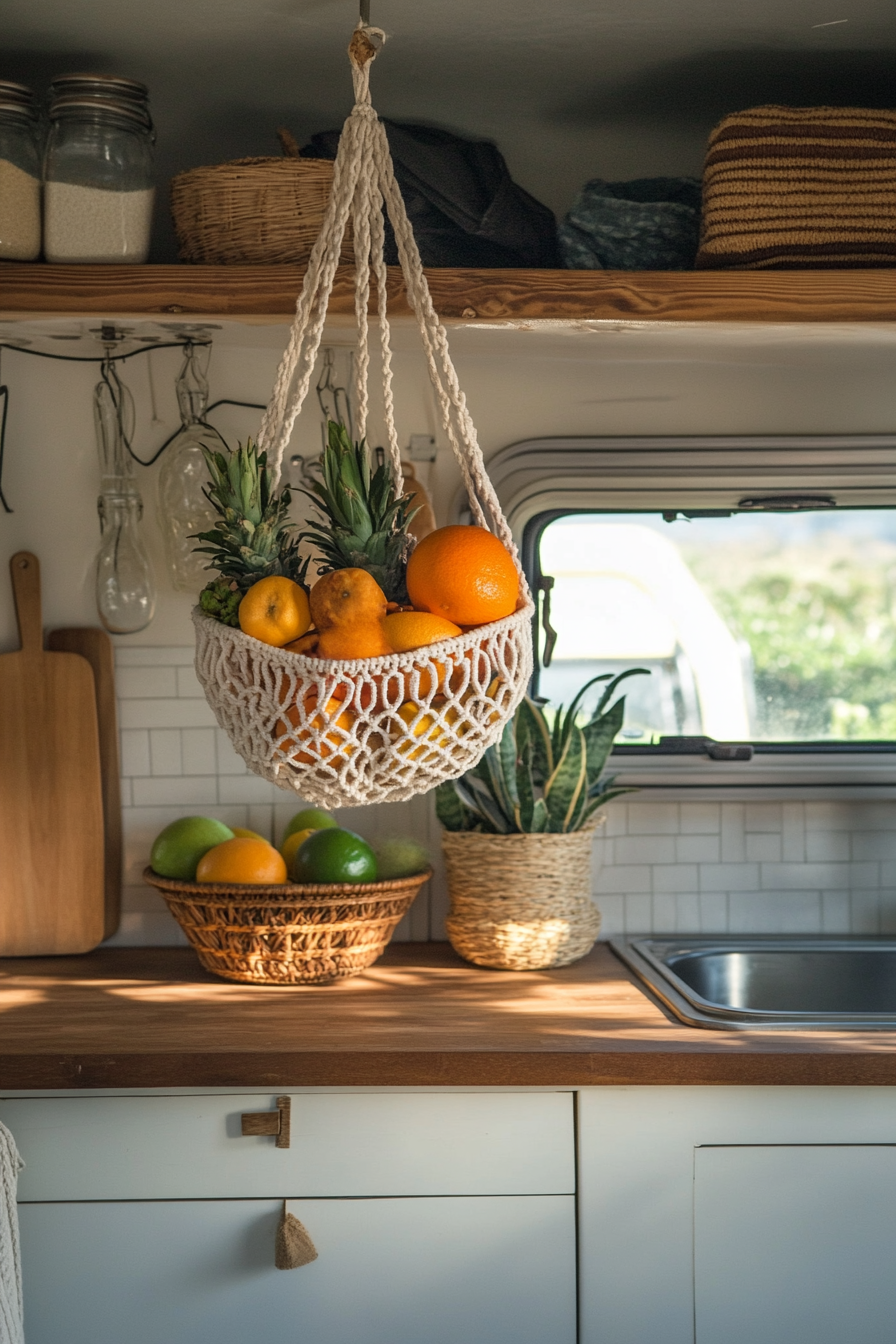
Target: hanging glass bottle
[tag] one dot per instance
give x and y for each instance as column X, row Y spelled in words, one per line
column 125, row 589
column 184, row 510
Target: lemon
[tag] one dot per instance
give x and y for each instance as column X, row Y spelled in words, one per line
column 293, row 842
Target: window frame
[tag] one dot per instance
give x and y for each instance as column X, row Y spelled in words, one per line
column 540, row 480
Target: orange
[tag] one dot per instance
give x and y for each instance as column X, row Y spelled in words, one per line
column 426, row 726
column 275, row 610
column 465, row 574
column 333, row 715
column 406, row 630
column 242, row 833
column 348, row 607
column 242, row 860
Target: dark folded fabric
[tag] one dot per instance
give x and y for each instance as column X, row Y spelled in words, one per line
column 651, row 223
column 464, row 207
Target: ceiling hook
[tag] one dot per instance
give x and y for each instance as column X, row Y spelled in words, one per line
column 365, row 13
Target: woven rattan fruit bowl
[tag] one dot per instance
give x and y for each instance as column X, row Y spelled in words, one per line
column 292, row 934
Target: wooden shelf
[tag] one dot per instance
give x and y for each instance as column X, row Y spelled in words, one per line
column 36, row 290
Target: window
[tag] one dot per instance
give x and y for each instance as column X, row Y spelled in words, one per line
column 754, row 577
column 757, row 627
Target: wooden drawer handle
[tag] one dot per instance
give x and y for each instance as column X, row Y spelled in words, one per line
column 269, row 1122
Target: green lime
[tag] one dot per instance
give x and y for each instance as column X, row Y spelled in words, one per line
column 334, row 855
column 177, row 850
column 309, row 819
column 400, row 858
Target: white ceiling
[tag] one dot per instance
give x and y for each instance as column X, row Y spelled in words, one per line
column 570, row 89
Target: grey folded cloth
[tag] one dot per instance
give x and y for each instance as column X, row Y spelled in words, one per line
column 649, row 224
column 11, row 1330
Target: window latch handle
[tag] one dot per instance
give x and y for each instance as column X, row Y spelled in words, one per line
column 545, row 584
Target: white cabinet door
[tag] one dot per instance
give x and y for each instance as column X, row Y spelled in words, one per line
column 795, row 1245
column 453, row 1270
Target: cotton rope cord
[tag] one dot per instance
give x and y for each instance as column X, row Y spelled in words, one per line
column 349, row 732
column 11, row 1310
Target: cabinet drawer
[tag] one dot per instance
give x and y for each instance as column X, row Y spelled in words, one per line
column 87, row 1148
column 390, row 1271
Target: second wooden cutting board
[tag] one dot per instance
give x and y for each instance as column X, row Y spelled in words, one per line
column 51, row 802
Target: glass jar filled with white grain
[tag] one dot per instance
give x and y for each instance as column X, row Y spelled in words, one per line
column 19, row 174
column 99, row 182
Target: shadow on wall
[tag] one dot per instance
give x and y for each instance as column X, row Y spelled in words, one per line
column 704, row 87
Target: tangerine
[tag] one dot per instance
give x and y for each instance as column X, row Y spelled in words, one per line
column 348, row 607
column 253, row 862
column 465, row 574
column 406, row 630
column 275, row 610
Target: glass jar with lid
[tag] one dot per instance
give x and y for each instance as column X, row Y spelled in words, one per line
column 99, row 184
column 19, row 174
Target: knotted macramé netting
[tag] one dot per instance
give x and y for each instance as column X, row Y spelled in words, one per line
column 372, row 730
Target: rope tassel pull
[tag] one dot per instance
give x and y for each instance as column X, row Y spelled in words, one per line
column 294, row 1247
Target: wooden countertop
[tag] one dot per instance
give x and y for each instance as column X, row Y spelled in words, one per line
column 150, row 1017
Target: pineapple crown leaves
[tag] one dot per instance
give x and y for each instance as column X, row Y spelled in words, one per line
column 363, row 523
column 541, row 776
column 252, row 538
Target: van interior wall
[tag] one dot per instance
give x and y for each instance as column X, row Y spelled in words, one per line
column 619, row 379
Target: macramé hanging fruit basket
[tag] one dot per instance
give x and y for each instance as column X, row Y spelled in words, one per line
column 370, row 730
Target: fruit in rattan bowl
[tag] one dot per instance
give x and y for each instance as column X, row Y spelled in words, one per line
column 291, row 933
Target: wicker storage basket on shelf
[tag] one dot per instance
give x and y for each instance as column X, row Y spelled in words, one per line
column 290, row 934
column 521, row 902
column 253, row 210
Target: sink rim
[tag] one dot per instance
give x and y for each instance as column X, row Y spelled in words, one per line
column 643, row 954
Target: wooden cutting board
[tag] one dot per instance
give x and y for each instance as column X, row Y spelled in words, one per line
column 95, row 645
column 52, row 896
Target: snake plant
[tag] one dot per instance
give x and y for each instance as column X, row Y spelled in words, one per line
column 543, row 774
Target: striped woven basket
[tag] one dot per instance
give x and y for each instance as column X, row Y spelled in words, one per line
column 800, row 187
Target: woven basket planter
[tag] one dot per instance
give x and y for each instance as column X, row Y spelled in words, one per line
column 520, row 902
column 253, row 210
column 292, row 934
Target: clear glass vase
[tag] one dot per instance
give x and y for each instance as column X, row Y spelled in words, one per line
column 125, row 588
column 184, row 510
column 125, row 592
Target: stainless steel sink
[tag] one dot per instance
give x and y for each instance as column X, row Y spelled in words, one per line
column 760, row 982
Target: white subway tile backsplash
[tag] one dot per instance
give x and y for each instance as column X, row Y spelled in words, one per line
column 698, row 848
column 198, row 751
column 165, row 714
column 827, row 846
column 683, row 867
column 245, row 789
column 793, row 832
column 701, row 819
column 762, row 817
column 143, row 683
column 644, row 849
column 733, row 838
column 675, row 877
column 188, row 684
column 762, row 847
column 146, row 655
column 774, row 911
column 192, row 793
column 653, row 818
column 135, row 753
column 729, row 876
column 164, row 751
column 626, row 879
